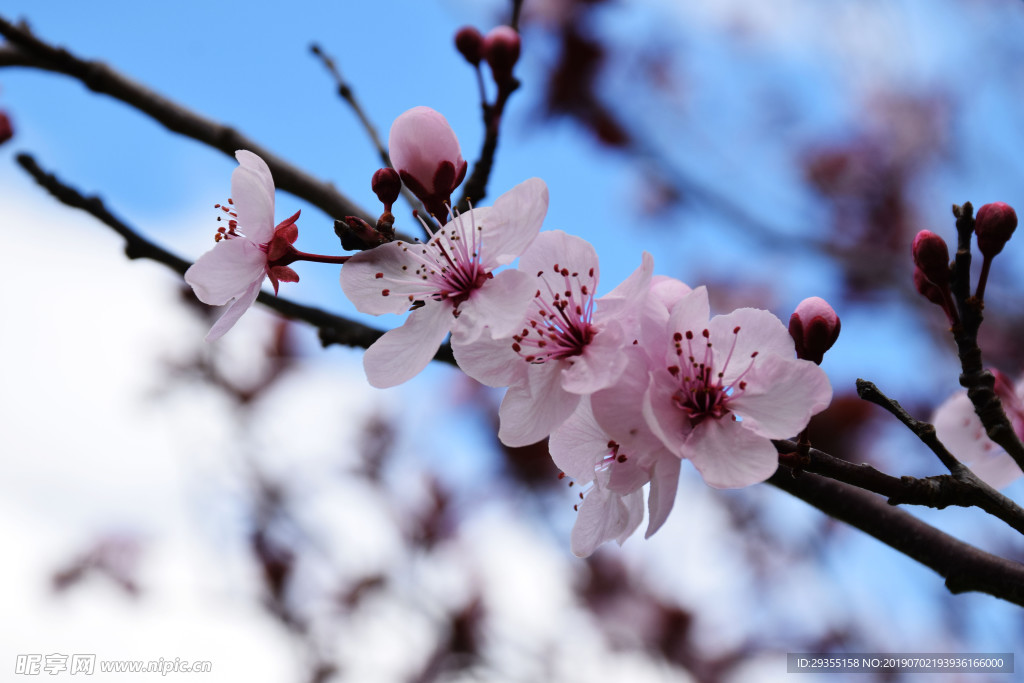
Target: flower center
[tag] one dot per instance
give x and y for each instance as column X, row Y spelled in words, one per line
column 559, row 325
column 703, row 392
column 448, row 267
column 231, row 231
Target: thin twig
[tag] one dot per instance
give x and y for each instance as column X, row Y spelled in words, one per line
column 964, row 567
column 963, row 490
column 333, row 329
column 346, row 93
column 24, row 49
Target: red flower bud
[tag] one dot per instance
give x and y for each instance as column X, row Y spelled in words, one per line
column 6, row 129
column 994, row 225
column 386, row 185
column 470, row 43
column 501, row 50
column 814, row 327
column 931, row 256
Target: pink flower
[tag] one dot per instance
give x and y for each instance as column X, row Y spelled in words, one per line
column 568, row 345
column 611, row 479
column 427, row 156
column 716, row 392
column 448, row 283
column 234, row 270
column 960, row 430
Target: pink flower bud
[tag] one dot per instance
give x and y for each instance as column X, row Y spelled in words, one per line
column 501, row 50
column 814, row 327
column 931, row 255
column 386, row 185
column 6, row 129
column 994, row 225
column 426, row 154
column 927, row 289
column 470, row 43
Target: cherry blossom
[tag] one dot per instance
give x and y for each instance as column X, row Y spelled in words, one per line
column 611, row 481
column 248, row 250
column 448, row 283
column 568, row 344
column 960, row 430
column 716, row 392
column 426, row 153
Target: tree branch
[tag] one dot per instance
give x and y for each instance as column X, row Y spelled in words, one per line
column 964, row 567
column 978, row 381
column 333, row 329
column 26, row 50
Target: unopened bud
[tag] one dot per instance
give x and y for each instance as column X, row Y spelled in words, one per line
column 386, row 185
column 470, row 43
column 994, row 225
column 501, row 50
column 426, row 154
column 814, row 327
column 931, row 256
column 6, row 129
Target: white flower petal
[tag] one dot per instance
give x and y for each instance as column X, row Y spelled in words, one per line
column 403, row 352
column 530, row 412
column 499, row 304
column 226, row 271
column 380, row 280
column 781, row 395
column 730, row 456
column 252, row 190
column 513, row 222
column 234, row 312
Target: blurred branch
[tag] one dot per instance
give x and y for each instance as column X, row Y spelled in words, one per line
column 333, row 329
column 964, row 567
column 24, row 49
column 345, row 92
column 978, row 381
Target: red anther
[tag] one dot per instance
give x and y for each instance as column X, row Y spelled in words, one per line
column 501, row 50
column 931, row 256
column 994, row 225
column 470, row 42
column 814, row 327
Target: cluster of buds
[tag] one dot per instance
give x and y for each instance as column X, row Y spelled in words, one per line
column 993, row 226
column 499, row 48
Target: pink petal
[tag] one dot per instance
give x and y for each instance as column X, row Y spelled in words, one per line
column 780, row 396
column 226, row 271
column 404, row 351
column 530, row 412
column 961, row 432
column 489, row 361
column 760, row 331
column 420, row 141
column 252, row 190
column 513, row 222
column 600, row 364
column 620, row 408
column 604, row 516
column 500, row 304
column 555, row 246
column 664, row 484
column 729, row 456
column 578, row 444
column 234, row 312
column 374, row 280
column 626, row 302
